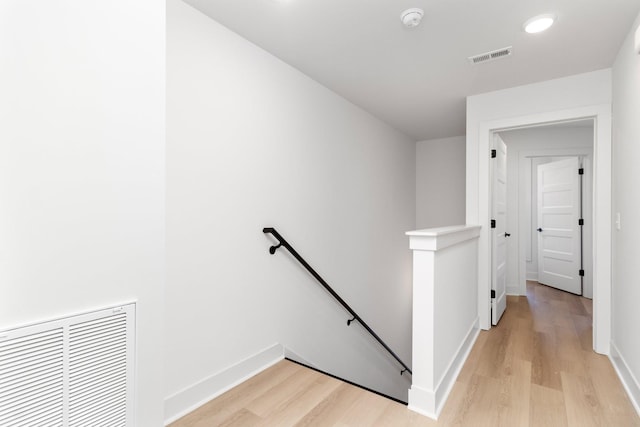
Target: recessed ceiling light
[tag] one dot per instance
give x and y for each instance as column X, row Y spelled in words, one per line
column 539, row 23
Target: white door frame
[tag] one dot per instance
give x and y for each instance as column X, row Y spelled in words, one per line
column 601, row 210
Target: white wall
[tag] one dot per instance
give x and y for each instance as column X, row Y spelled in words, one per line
column 82, row 168
column 525, row 146
column 581, row 96
column 440, row 181
column 252, row 143
column 626, row 153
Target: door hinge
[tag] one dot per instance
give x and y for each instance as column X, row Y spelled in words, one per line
column 493, row 223
column 494, row 153
column 581, row 273
column 581, row 221
column 581, row 171
column 493, row 293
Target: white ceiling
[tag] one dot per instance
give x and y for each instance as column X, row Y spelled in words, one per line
column 417, row 79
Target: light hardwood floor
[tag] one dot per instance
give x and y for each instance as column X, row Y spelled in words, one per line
column 536, row 368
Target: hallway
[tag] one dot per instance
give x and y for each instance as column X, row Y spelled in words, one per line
column 536, row 368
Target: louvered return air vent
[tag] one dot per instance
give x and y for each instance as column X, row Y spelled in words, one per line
column 491, row 56
column 71, row 372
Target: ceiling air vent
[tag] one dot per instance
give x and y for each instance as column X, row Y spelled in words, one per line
column 491, row 56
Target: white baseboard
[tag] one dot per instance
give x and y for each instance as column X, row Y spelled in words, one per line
column 196, row 395
column 431, row 402
column 513, row 290
column 423, row 401
column 532, row 276
column 629, row 381
column 292, row 355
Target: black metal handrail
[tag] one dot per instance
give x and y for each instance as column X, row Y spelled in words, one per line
column 282, row 242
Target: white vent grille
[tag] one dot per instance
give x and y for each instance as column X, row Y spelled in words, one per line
column 98, row 372
column 31, row 387
column 491, row 56
column 73, row 372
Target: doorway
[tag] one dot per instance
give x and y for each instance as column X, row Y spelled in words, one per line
column 479, row 135
column 528, row 148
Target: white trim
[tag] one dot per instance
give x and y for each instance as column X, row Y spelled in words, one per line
column 420, row 398
column 513, row 290
column 292, row 355
column 438, row 397
column 196, row 395
column 601, row 209
column 629, row 381
column 450, row 374
column 68, row 315
column 435, row 239
column 532, row 276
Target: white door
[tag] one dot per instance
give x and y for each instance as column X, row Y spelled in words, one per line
column 559, row 241
column 499, row 233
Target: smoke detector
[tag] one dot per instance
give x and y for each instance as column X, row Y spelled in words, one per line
column 412, row 17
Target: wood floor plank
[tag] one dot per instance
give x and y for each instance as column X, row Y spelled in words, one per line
column 397, row 414
column 514, row 395
column 332, row 408
column 617, row 409
column 547, row 407
column 543, row 320
column 521, row 341
column 588, row 305
column 456, row 410
column 280, row 396
column 584, row 331
column 297, row 406
column 484, row 408
column 219, row 409
column 492, row 359
column 569, row 352
column 581, row 401
column 576, row 305
column 241, row 418
column 545, row 366
column 367, row 408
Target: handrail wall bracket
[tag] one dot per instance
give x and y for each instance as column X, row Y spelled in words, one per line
column 274, row 248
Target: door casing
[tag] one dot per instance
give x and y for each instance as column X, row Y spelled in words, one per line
column 601, row 114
